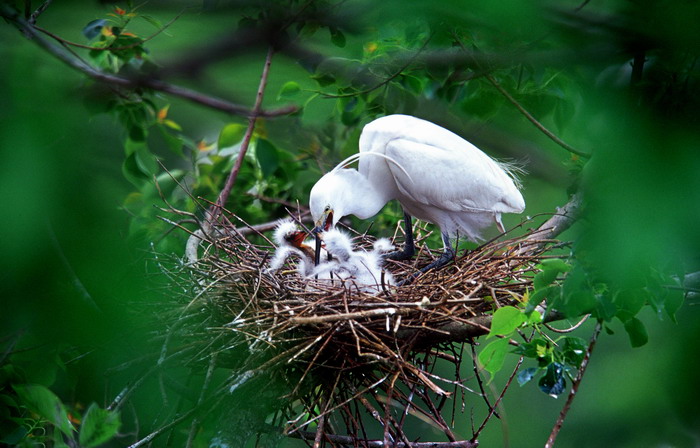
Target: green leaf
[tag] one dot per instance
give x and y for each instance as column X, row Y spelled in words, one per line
column 337, row 37
column 525, row 375
column 553, row 382
column 605, row 308
column 94, row 28
column 550, row 270
column 493, row 355
column 573, row 349
column 41, row 400
column 538, row 349
column 155, row 22
column 629, row 302
column 636, row 332
column 505, row 320
column 674, row 300
column 146, row 161
column 538, row 296
column 132, row 172
column 266, row 154
column 576, row 304
column 289, row 90
column 99, row 426
column 231, row 135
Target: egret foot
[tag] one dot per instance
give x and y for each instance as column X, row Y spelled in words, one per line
column 447, row 255
column 409, row 249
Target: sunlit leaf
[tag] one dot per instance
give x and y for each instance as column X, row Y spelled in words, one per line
column 162, row 113
column 505, row 320
column 231, row 135
column 289, row 90
column 45, row 403
column 99, row 426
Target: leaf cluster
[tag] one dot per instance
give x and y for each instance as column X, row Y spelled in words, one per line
column 33, row 415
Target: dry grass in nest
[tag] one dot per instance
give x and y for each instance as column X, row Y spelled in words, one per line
column 351, row 351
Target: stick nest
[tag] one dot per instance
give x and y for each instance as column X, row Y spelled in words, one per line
column 370, row 351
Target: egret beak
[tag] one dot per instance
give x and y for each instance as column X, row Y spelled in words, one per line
column 323, row 224
column 317, row 254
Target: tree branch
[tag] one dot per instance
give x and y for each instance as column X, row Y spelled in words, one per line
column 533, row 120
column 574, row 387
column 76, row 63
column 252, row 119
column 352, row 441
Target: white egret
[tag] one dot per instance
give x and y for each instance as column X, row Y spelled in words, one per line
column 436, row 176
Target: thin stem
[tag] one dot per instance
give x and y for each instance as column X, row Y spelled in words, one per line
column 533, row 120
column 574, row 387
column 71, row 60
column 252, row 119
column 498, row 400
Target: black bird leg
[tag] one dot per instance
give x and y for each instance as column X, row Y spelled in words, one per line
column 447, row 255
column 409, row 249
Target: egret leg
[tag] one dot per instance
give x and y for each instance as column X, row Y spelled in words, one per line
column 408, row 247
column 447, row 255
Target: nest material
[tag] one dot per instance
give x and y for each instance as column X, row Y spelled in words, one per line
column 329, row 332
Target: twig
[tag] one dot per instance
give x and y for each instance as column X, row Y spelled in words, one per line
column 574, row 387
column 152, row 83
column 561, row 221
column 533, row 120
column 498, row 400
column 352, row 441
column 387, row 80
column 252, row 119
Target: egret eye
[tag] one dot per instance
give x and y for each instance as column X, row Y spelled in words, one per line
column 327, row 208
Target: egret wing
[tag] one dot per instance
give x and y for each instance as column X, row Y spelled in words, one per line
column 449, row 175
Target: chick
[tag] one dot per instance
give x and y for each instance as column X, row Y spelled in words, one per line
column 364, row 267
column 290, row 241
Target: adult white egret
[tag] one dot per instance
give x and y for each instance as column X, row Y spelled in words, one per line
column 436, row 176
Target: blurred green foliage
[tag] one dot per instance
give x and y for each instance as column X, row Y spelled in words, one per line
column 86, row 169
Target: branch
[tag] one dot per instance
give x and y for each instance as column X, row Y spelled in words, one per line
column 352, row 441
column 71, row 60
column 533, row 120
column 574, row 387
column 223, row 197
column 561, row 221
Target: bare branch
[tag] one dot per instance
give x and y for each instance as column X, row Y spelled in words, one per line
column 351, row 441
column 71, row 60
column 533, row 120
column 253, row 117
column 574, row 387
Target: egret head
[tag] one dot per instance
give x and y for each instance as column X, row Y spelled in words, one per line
column 325, row 202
